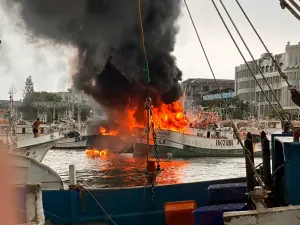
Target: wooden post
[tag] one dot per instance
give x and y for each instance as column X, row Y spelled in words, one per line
column 249, row 171
column 265, row 147
column 34, row 204
column 72, row 174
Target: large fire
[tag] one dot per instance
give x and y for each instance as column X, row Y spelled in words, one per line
column 166, row 117
column 170, row 117
column 95, row 152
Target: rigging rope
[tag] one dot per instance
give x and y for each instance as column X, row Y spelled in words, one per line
column 148, row 106
column 249, row 68
column 284, row 5
column 258, row 67
column 282, row 74
column 246, row 151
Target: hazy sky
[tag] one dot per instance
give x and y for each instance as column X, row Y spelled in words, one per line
column 49, row 66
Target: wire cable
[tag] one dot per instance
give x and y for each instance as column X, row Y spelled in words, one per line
column 284, row 5
column 239, row 50
column 282, row 74
column 101, row 207
column 246, row 151
column 258, row 67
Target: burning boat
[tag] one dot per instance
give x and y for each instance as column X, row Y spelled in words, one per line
column 175, row 136
column 100, row 137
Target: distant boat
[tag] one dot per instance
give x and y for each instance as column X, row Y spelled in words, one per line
column 22, row 141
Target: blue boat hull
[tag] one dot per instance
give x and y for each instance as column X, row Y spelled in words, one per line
column 125, row 205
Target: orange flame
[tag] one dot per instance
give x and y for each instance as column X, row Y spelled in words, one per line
column 104, row 132
column 170, row 117
column 95, row 152
column 166, row 117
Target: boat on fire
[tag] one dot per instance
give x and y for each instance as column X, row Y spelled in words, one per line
column 191, row 143
column 101, row 137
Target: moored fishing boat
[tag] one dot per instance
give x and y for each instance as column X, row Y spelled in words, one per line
column 203, row 144
column 19, row 138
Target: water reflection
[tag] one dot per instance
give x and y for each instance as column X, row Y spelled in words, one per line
column 125, row 170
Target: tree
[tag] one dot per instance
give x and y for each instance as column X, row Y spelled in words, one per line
column 29, row 88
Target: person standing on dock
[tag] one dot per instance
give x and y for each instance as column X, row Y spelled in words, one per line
column 35, row 127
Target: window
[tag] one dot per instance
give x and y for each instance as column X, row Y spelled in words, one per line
column 296, row 61
column 23, row 130
column 267, row 68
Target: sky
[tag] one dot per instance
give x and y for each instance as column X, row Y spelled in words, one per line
column 49, row 65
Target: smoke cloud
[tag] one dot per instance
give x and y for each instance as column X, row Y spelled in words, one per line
column 107, row 35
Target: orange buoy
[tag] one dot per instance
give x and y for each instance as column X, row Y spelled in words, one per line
column 150, row 170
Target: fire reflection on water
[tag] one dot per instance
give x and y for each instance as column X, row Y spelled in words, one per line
column 124, row 170
column 129, row 168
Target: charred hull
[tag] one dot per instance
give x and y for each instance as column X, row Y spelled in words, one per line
column 114, row 144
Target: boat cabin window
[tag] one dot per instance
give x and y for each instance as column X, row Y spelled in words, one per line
column 23, row 130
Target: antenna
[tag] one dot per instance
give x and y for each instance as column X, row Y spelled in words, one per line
column 11, row 93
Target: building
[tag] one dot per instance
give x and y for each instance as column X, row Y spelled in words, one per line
column 195, row 89
column 227, row 94
column 247, row 89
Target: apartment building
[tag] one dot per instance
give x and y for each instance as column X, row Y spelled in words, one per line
column 247, row 89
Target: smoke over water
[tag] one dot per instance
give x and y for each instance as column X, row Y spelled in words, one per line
column 107, row 36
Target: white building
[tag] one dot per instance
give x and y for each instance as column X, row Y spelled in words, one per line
column 247, row 89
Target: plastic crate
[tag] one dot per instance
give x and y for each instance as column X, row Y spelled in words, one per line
column 227, row 193
column 180, row 213
column 213, row 215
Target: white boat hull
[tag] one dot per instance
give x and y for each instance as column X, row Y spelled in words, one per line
column 37, row 152
column 28, row 171
column 184, row 145
column 36, row 148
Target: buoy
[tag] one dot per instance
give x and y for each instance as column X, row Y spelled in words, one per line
column 150, row 171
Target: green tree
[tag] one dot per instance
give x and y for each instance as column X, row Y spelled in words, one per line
column 29, row 88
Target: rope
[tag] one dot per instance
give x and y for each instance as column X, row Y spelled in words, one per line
column 260, row 71
column 148, row 107
column 285, row 5
column 246, row 151
column 236, row 45
column 146, row 66
column 81, row 188
column 282, row 74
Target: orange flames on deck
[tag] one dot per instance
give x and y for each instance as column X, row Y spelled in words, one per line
column 95, row 152
column 170, row 117
column 166, row 117
column 104, row 132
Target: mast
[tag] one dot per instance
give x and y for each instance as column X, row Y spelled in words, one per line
column 79, row 114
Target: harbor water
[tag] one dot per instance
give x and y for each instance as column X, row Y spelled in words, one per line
column 125, row 170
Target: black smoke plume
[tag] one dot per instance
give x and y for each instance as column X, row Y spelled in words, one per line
column 107, row 35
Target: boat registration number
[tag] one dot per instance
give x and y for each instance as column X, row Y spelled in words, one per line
column 224, row 142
